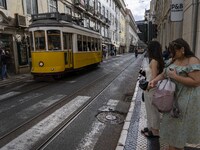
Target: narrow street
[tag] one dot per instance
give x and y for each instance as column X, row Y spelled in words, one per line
column 93, row 108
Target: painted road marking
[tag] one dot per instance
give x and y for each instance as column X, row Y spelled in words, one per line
column 26, row 140
column 26, row 113
column 110, row 105
column 21, row 101
column 89, row 140
column 9, row 94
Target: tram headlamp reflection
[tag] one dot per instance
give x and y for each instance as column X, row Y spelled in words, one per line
column 41, row 64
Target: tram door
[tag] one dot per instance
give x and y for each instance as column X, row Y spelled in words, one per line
column 67, row 43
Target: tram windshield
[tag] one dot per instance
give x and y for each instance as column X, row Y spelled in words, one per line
column 39, row 40
column 54, row 42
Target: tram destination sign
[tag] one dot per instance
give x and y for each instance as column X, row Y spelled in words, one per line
column 176, row 10
column 45, row 16
column 54, row 16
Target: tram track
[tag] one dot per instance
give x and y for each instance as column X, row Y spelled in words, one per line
column 8, row 83
column 6, row 138
column 32, row 121
column 64, row 125
column 27, row 90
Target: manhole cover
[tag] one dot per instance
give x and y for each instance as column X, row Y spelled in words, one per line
column 110, row 117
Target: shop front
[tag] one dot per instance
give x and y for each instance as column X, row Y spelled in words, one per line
column 14, row 40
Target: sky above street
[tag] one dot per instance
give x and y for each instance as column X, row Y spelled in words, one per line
column 138, row 7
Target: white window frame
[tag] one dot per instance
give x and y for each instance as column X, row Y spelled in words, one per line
column 3, row 4
column 25, row 8
column 52, row 6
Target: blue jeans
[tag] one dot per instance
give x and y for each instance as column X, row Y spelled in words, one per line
column 3, row 71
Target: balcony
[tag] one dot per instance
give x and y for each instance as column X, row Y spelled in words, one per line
column 90, row 9
column 80, row 4
column 77, row 21
column 108, row 22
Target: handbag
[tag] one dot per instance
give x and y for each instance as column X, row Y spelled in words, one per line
column 163, row 97
column 143, row 84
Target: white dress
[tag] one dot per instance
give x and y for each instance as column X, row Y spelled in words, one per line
column 153, row 115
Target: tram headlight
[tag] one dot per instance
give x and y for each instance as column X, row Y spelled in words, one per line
column 41, row 63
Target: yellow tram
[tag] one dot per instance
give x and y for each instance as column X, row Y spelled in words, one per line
column 59, row 46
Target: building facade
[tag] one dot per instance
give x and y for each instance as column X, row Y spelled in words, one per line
column 131, row 32
column 14, row 34
column 108, row 17
column 178, row 18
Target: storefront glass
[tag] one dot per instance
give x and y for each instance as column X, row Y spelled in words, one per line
column 7, row 45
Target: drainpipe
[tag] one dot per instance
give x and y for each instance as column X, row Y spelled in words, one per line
column 194, row 26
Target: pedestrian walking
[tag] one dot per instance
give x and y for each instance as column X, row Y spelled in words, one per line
column 104, row 51
column 4, row 60
column 184, row 71
column 115, row 51
column 155, row 67
column 136, row 53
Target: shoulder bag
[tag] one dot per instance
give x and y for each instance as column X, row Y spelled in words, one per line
column 163, row 97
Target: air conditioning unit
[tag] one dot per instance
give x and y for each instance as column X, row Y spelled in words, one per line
column 20, row 20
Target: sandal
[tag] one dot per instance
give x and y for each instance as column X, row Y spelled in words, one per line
column 149, row 134
column 144, row 130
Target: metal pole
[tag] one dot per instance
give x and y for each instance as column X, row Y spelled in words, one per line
column 195, row 15
column 147, row 30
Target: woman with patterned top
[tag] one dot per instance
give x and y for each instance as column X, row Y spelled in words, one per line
column 184, row 70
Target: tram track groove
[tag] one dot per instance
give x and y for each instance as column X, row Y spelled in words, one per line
column 32, row 121
column 70, row 119
column 26, row 92
column 6, row 138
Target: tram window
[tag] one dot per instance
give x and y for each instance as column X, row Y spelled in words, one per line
column 89, row 44
column 39, row 40
column 31, row 41
column 96, row 45
column 99, row 45
column 67, row 41
column 79, row 42
column 85, row 46
column 92, row 44
column 70, row 40
column 53, row 39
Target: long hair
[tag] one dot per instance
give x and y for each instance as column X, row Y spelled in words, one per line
column 155, row 52
column 178, row 44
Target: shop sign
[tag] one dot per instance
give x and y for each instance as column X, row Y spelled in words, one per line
column 177, row 10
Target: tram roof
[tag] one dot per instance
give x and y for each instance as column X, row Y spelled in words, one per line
column 58, row 20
